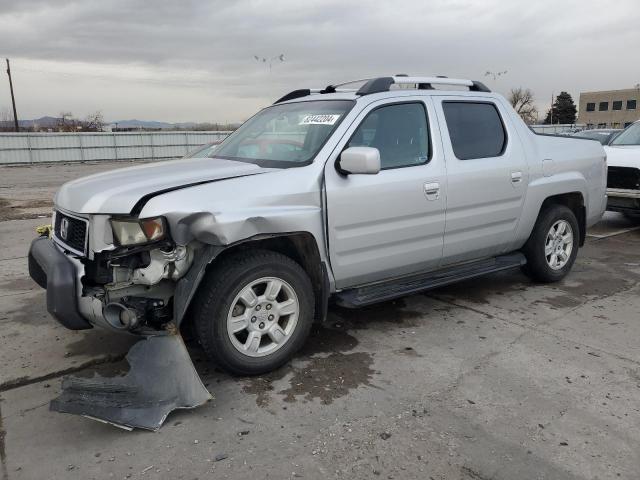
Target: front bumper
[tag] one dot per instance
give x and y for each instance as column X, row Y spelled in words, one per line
column 161, row 376
column 52, row 270
column 623, row 200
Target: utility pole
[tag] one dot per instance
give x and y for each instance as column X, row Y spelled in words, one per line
column 13, row 99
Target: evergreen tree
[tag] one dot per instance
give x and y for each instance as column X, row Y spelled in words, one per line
column 563, row 110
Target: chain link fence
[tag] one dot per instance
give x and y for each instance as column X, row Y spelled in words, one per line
column 558, row 129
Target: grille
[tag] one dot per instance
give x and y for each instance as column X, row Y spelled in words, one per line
column 76, row 231
column 623, row 177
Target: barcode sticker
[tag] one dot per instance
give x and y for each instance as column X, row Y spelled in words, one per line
column 319, row 119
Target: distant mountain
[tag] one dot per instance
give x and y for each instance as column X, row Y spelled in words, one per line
column 154, row 124
column 51, row 122
column 41, row 122
column 150, row 124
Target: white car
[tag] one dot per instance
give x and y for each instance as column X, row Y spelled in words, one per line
column 623, row 182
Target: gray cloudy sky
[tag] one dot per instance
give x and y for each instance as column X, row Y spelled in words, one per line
column 193, row 60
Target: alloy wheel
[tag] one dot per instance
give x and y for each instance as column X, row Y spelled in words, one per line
column 559, row 244
column 263, row 316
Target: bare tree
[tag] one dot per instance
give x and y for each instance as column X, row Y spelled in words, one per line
column 66, row 122
column 522, row 101
column 94, row 122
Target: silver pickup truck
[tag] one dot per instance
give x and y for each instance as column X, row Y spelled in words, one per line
column 354, row 194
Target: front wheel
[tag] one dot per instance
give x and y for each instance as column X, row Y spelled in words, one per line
column 553, row 245
column 254, row 311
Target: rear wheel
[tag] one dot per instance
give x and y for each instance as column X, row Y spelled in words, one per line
column 254, row 311
column 553, row 245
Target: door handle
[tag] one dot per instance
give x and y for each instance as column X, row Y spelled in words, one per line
column 516, row 177
column 432, row 190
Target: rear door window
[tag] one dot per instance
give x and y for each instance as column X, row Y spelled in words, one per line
column 475, row 129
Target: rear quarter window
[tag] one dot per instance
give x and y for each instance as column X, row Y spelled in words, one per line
column 476, row 129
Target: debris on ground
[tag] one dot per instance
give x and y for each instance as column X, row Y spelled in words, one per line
column 162, row 378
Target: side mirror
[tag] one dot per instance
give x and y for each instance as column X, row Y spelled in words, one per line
column 363, row 160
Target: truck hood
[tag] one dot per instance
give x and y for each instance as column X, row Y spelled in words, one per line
column 118, row 191
column 623, row 156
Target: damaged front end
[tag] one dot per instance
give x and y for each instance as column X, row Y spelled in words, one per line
column 132, row 290
column 128, row 286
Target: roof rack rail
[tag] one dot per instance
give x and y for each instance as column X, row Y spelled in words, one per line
column 303, row 92
column 382, row 84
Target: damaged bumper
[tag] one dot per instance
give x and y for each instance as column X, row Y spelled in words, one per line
column 161, row 379
column 54, row 271
column 83, row 292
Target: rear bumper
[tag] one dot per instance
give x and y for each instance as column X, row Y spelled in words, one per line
column 52, row 270
column 623, row 200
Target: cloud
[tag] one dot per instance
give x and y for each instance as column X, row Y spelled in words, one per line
column 193, row 60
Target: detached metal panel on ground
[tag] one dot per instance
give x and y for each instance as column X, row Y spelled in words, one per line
column 20, row 148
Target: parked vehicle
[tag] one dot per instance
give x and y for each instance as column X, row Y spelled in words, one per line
column 623, row 183
column 603, row 135
column 345, row 195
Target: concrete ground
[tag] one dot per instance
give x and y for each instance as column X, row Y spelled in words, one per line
column 495, row 378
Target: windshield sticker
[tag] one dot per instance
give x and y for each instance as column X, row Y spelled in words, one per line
column 319, row 119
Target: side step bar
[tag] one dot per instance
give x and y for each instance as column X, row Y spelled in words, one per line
column 400, row 287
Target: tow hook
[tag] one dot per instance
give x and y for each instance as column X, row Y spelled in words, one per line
column 161, row 379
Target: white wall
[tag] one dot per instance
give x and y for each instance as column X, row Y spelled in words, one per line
column 77, row 147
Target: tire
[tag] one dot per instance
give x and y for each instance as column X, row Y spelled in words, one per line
column 222, row 306
column 539, row 264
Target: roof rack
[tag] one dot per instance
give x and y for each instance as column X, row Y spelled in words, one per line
column 303, row 92
column 383, row 84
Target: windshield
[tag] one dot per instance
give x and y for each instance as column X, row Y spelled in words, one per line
column 286, row 135
column 202, row 151
column 630, row 136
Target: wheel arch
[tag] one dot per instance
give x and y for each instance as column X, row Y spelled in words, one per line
column 576, row 203
column 301, row 247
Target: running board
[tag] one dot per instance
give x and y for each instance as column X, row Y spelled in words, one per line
column 400, row 287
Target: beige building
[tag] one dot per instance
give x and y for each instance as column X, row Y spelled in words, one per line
column 609, row 109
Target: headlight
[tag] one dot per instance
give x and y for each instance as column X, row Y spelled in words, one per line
column 133, row 231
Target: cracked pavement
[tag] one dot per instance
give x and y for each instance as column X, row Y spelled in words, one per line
column 493, row 378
